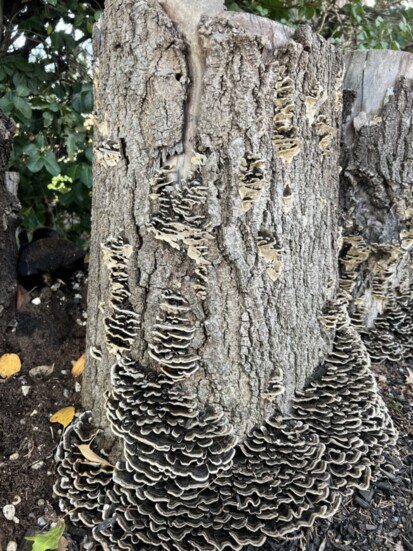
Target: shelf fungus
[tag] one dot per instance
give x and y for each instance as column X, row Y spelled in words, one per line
column 81, row 485
column 271, row 252
column 390, row 337
column 312, row 101
column 343, row 407
column 275, row 386
column 184, row 482
column 326, row 133
column 286, row 140
column 179, row 215
column 171, row 337
column 252, row 179
column 121, row 326
column 108, row 154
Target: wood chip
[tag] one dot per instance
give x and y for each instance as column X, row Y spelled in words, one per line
column 10, row 364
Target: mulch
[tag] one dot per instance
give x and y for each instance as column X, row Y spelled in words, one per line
column 51, row 331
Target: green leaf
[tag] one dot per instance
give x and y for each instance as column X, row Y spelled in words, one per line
column 35, row 164
column 22, row 107
column 50, row 163
column 48, row 541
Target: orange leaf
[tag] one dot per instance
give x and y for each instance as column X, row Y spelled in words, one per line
column 93, row 457
column 79, row 366
column 9, row 365
column 64, row 416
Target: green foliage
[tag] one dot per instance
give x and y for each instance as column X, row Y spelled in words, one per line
column 349, row 24
column 45, row 86
column 48, row 541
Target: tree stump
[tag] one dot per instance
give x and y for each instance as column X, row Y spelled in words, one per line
column 235, row 398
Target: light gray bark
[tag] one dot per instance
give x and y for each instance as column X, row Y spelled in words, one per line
column 162, row 102
column 377, row 198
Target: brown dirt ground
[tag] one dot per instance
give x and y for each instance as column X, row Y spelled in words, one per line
column 52, row 333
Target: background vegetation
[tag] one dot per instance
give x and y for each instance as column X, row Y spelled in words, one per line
column 45, row 85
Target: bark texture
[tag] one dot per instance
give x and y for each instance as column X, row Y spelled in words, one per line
column 377, row 200
column 239, row 398
column 9, row 212
column 265, row 280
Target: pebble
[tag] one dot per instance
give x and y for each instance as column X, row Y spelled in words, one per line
column 395, row 519
column 14, row 456
column 38, row 465
column 25, row 390
column 9, row 511
column 78, row 387
column 36, row 301
column 41, row 521
column 11, row 546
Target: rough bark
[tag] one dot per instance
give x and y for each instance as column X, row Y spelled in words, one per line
column 239, row 401
column 162, row 102
column 9, row 211
column 377, row 199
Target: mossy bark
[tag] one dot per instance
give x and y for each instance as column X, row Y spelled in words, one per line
column 202, row 102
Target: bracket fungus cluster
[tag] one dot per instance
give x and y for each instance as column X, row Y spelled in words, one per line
column 271, row 252
column 108, row 153
column 179, row 215
column 286, row 140
column 121, row 327
column 171, row 338
column 183, row 480
column 326, row 133
column 252, row 179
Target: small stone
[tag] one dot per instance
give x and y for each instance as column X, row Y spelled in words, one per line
column 41, row 502
column 9, row 511
column 78, row 387
column 41, row 521
column 38, row 465
column 395, row 519
column 25, row 390
column 11, row 546
column 14, row 456
column 16, row 520
column 36, row 301
column 371, row 527
column 41, row 371
column 16, row 500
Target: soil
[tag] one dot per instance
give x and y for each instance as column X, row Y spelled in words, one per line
column 52, row 333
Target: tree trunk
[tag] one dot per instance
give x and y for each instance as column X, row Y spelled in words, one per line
column 213, row 288
column 377, row 200
column 9, row 211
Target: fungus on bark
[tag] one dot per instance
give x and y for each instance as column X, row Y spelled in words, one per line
column 252, row 179
column 184, row 482
column 286, row 140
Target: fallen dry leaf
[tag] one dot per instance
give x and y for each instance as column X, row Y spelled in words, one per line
column 93, row 457
column 10, row 364
column 63, row 544
column 409, row 378
column 79, row 366
column 64, row 416
column 23, row 297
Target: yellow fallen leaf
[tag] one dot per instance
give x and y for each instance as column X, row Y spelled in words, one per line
column 9, row 365
column 93, row 457
column 64, row 416
column 79, row 366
